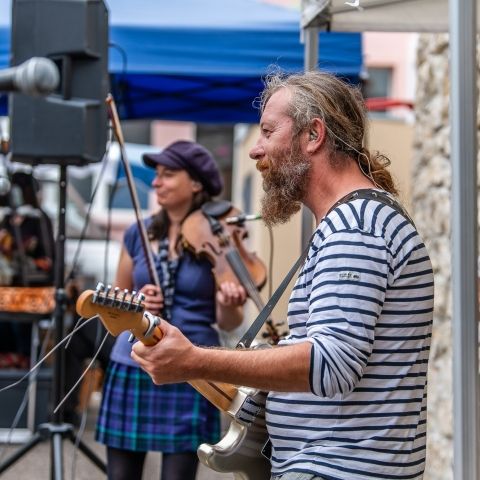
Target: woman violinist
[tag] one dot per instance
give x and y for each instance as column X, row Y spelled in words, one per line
column 136, row 416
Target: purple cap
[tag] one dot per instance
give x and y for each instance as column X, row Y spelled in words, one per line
column 192, row 157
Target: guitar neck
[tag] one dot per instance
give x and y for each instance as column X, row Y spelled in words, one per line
column 120, row 313
column 219, row 394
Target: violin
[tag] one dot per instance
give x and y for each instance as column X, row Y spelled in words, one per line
column 206, row 233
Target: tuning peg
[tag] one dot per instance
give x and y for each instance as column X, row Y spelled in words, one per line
column 98, row 289
column 115, row 293
column 140, row 299
column 122, row 301
column 110, row 295
column 106, row 294
column 129, row 305
column 102, row 295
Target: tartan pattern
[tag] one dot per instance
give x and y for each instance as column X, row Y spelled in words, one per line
column 138, row 415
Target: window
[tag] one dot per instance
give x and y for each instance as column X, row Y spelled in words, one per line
column 378, row 83
column 219, row 140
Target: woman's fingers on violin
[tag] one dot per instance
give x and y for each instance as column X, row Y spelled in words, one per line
column 153, row 301
column 153, row 304
column 150, row 290
column 230, row 294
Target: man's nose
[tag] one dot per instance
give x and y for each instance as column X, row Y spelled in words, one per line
column 256, row 152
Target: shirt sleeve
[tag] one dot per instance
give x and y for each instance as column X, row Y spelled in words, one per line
column 349, row 282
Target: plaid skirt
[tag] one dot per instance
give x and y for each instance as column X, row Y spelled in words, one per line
column 138, row 415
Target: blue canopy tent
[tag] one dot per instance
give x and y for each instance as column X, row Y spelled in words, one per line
column 202, row 61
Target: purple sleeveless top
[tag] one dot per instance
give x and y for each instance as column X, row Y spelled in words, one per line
column 193, row 309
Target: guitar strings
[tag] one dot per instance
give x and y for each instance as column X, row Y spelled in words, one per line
column 77, row 323
column 58, row 345
column 34, row 372
column 83, row 374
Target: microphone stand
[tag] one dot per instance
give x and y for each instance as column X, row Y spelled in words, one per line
column 57, row 430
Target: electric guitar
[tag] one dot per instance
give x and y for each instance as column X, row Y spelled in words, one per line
column 239, row 451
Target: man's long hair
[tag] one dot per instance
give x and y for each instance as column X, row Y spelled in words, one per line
column 342, row 109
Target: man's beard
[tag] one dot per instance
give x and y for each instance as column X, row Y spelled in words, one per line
column 285, row 184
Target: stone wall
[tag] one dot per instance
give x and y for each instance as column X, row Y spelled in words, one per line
column 431, row 192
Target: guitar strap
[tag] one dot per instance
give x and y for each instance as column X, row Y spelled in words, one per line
column 365, row 193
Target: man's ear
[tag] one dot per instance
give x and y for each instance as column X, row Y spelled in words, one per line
column 316, row 135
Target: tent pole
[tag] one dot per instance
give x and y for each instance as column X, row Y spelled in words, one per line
column 310, row 38
column 463, row 121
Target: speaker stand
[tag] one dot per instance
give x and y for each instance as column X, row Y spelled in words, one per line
column 56, row 431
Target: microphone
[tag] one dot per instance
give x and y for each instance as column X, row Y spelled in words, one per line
column 36, row 76
column 243, row 217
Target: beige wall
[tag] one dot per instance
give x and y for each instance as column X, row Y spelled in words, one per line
column 394, row 138
column 165, row 132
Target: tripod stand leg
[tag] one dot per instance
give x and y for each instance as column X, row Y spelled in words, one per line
column 83, row 447
column 37, row 438
column 56, row 465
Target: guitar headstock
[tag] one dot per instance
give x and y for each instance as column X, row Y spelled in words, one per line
column 119, row 310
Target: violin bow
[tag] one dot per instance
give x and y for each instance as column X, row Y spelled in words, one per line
column 112, row 111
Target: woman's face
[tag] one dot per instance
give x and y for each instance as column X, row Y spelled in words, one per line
column 174, row 188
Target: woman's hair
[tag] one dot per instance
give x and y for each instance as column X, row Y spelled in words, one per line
column 343, row 112
column 158, row 228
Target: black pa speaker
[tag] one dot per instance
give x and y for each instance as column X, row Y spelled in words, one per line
column 69, row 126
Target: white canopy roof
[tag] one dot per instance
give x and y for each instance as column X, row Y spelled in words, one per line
column 378, row 15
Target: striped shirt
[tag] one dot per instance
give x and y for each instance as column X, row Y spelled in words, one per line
column 364, row 300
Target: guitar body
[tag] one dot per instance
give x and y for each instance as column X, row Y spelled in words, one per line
column 239, row 451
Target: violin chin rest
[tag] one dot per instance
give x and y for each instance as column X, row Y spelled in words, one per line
column 216, row 208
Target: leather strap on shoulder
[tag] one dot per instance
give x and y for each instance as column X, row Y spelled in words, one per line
column 372, row 194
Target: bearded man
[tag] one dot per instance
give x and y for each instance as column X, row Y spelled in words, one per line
column 348, row 386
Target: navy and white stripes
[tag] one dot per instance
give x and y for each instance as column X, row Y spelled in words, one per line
column 364, row 300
